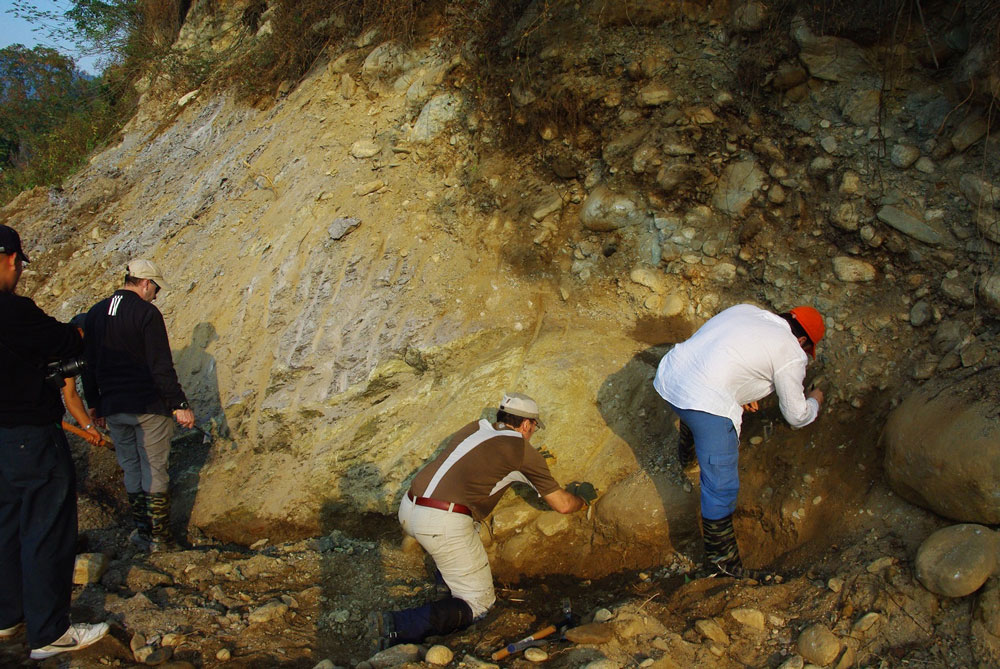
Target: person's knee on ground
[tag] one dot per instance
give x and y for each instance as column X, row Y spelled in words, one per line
column 435, row 619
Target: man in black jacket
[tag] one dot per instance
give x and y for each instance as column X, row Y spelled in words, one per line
column 37, row 479
column 130, row 383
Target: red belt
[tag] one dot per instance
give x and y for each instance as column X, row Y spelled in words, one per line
column 438, row 504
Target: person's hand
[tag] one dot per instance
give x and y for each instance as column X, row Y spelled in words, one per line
column 93, row 436
column 584, row 490
column 751, row 407
column 184, row 418
column 97, row 420
column 815, row 394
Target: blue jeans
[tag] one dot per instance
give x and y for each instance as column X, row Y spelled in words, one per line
column 718, row 450
column 37, row 530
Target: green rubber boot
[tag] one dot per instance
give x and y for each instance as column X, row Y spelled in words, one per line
column 141, row 536
column 159, row 514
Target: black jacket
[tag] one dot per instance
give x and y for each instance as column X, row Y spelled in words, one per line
column 129, row 366
column 28, row 340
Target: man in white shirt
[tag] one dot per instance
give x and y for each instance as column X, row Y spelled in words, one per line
column 738, row 357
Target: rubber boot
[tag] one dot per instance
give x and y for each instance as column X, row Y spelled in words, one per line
column 142, row 534
column 159, row 515
column 685, row 447
column 723, row 554
column 414, row 625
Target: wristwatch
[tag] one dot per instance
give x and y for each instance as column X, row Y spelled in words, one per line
column 183, row 406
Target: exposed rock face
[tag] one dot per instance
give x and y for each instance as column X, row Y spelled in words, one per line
column 364, row 267
column 937, row 443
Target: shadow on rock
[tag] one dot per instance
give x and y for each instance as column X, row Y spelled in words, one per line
column 650, row 507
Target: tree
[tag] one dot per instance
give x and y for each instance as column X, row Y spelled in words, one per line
column 38, row 88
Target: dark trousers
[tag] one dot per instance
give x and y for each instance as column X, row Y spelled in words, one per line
column 37, row 530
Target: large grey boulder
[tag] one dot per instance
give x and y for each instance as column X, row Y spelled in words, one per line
column 943, row 448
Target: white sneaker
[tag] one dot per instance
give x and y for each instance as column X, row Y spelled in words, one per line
column 78, row 636
column 8, row 632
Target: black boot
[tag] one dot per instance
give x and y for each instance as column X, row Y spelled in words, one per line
column 685, row 447
column 159, row 515
column 142, row 534
column 414, row 625
column 721, row 551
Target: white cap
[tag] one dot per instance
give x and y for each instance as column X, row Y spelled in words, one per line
column 517, row 404
column 146, row 269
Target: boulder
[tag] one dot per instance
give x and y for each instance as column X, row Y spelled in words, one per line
column 737, row 186
column 937, row 445
column 829, row 58
column 435, row 117
column 955, row 561
column 817, row 644
column 989, row 291
column 852, row 270
column 604, row 210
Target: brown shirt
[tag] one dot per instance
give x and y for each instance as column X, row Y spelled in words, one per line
column 478, row 465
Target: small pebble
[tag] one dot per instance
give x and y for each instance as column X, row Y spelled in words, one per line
column 223, row 655
column 439, row 655
column 535, row 655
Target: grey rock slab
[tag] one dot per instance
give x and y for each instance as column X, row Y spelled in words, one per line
column 969, row 131
column 909, row 225
column 437, row 114
column 817, row 644
column 736, row 187
column 395, row 656
column 343, row 226
column 955, row 561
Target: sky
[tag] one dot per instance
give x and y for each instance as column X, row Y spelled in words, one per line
column 17, row 31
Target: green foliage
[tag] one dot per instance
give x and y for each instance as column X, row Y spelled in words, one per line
column 51, row 117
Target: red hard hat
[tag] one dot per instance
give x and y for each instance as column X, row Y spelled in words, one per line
column 811, row 321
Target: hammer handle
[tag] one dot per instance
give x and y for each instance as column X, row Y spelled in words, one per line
column 518, row 646
column 84, row 434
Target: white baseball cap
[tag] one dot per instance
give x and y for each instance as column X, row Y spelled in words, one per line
column 517, row 404
column 141, row 268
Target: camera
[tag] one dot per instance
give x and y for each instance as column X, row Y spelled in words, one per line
column 56, row 371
